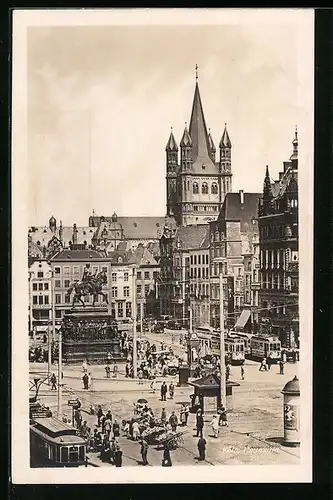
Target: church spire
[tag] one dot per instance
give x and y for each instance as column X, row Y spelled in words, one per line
column 294, row 156
column 171, row 144
column 267, row 186
column 186, row 139
column 225, row 140
column 198, row 129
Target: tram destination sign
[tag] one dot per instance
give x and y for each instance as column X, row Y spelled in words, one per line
column 73, row 402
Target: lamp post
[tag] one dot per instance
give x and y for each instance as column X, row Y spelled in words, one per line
column 222, row 346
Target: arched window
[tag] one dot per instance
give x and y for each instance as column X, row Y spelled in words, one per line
column 195, row 188
column 214, row 188
column 204, row 188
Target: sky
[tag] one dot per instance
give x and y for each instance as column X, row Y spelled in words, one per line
column 101, row 101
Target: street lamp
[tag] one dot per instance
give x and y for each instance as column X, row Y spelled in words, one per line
column 59, row 345
column 222, row 260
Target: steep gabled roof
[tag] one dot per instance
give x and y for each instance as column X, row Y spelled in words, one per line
column 233, row 210
column 73, row 255
column 191, row 237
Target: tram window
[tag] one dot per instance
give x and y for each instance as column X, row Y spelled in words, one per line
column 64, row 454
column 237, row 347
column 278, row 347
column 81, row 453
column 241, row 347
column 73, row 454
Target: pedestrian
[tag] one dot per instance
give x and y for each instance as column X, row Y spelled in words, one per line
column 90, row 381
column 84, row 366
column 199, row 423
column 118, row 457
column 215, row 425
column 127, row 370
column 173, row 421
column 227, row 371
column 107, row 371
column 281, row 367
column 108, row 357
column 107, row 427
column 144, row 451
column 171, row 390
column 182, row 415
column 163, row 415
column 242, row 372
column 85, row 379
column 186, row 413
column 116, row 429
column 115, row 370
column 263, row 365
column 152, row 385
column 223, row 417
column 78, row 419
column 164, row 391
column 202, row 448
column 135, row 431
column 269, row 362
column 99, row 415
column 166, row 461
column 53, row 382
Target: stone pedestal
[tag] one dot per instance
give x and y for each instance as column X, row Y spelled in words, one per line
column 90, row 333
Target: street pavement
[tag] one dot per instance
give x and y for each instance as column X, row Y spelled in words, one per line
column 255, row 427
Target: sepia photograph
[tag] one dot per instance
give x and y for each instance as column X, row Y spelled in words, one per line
column 162, row 187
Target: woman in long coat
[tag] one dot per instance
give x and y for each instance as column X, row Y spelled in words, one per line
column 215, row 425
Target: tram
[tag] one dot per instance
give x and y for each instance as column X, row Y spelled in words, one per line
column 264, row 347
column 55, row 444
column 246, row 337
column 234, row 347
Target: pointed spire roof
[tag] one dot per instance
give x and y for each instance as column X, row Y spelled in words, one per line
column 211, row 143
column 186, row 139
column 294, row 156
column 198, row 133
column 225, row 140
column 267, row 184
column 171, row 144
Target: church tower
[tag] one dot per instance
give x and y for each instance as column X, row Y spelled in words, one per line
column 196, row 187
column 171, row 174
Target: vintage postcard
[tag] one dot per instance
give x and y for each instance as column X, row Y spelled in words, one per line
column 162, row 169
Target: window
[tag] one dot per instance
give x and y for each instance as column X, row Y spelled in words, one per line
column 126, row 291
column 155, row 275
column 34, row 299
column 214, row 188
column 67, row 299
column 199, row 259
column 195, row 260
column 199, row 272
column 126, row 276
column 147, row 275
column 34, row 286
column 195, row 272
column 195, row 188
column 66, row 270
column 76, row 271
column 114, row 292
column 147, row 289
column 40, row 286
column 104, row 269
column 139, row 290
column 58, row 298
column 58, row 314
column 204, row 188
column 57, row 284
column 139, row 275
column 40, row 274
column 46, row 286
column 95, row 269
column 128, row 309
column 57, row 270
column 207, row 259
column 120, row 310
column 114, row 277
column 66, row 283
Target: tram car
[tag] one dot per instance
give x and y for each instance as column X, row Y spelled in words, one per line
column 264, row 347
column 55, row 444
column 246, row 337
column 234, row 347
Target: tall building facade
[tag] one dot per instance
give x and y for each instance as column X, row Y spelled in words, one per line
column 278, row 232
column 196, row 184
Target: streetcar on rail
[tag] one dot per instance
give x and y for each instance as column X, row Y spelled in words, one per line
column 234, row 347
column 55, row 444
column 246, row 337
column 265, row 347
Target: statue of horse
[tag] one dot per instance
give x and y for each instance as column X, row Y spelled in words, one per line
column 93, row 286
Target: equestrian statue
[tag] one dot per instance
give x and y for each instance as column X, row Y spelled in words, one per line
column 91, row 284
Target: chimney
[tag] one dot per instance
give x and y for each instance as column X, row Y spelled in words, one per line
column 241, row 194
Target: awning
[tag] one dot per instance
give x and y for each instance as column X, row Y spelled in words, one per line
column 243, row 318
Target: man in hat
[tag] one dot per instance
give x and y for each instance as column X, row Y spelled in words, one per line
column 144, row 451
column 199, row 423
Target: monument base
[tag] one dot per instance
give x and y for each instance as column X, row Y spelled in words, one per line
column 90, row 333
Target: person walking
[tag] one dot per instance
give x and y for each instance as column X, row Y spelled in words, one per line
column 135, row 431
column 118, row 457
column 223, row 417
column 85, row 379
column 263, row 365
column 90, row 381
column 215, row 425
column 269, row 362
column 199, row 423
column 84, row 366
column 164, row 391
column 242, row 372
column 144, row 451
column 202, row 448
column 127, row 370
column 115, row 370
column 166, row 461
column 53, row 380
column 107, row 427
column 116, row 429
column 140, row 375
column 163, row 415
column 99, row 415
column 171, row 390
column 107, row 371
column 173, row 421
column 186, row 413
column 152, row 385
column 281, row 364
column 227, row 371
